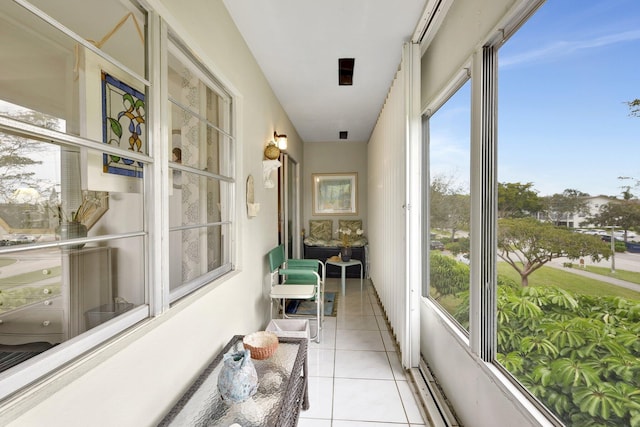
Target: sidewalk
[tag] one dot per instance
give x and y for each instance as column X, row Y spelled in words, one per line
column 557, row 263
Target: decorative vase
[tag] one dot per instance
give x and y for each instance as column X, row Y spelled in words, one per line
column 272, row 151
column 345, row 253
column 72, row 230
column 238, row 379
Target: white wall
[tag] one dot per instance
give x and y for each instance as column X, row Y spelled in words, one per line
column 334, row 157
column 134, row 380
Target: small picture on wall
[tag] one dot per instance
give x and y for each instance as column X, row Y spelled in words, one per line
column 123, row 113
column 335, row 194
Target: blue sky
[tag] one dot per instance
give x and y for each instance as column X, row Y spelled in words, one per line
column 564, row 78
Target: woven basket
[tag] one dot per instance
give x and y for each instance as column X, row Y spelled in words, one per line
column 262, row 344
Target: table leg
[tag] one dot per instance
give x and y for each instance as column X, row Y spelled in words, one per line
column 344, row 270
column 361, row 278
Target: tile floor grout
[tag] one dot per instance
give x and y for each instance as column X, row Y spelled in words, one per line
column 366, row 389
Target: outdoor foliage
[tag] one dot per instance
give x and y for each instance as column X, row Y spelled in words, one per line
column 447, row 276
column 623, row 214
column 450, row 205
column 17, row 160
column 527, row 244
column 517, row 200
column 560, row 206
column 579, row 355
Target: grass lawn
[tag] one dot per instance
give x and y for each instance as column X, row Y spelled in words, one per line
column 549, row 276
column 627, row 276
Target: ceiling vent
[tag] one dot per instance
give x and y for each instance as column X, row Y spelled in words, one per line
column 343, row 134
column 345, row 71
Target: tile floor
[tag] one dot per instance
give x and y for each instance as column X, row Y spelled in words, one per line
column 355, row 376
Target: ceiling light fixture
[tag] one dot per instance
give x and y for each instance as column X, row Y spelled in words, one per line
column 281, row 141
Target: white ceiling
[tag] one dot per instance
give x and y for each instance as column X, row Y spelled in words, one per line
column 297, row 44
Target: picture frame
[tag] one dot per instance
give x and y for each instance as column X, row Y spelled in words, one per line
column 124, row 125
column 335, row 193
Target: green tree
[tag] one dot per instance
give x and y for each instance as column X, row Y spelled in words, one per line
column 623, row 214
column 527, row 244
column 562, row 206
column 449, row 205
column 447, row 276
column 17, row 160
column 516, row 200
column 634, row 107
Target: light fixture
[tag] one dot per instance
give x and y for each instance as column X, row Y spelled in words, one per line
column 281, row 141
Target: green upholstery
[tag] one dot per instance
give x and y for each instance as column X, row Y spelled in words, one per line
column 302, row 264
column 276, row 258
column 321, row 229
column 301, row 272
column 349, row 224
column 297, row 271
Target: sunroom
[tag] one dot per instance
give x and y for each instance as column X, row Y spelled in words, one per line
column 129, row 131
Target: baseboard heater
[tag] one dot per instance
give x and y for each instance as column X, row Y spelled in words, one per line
column 434, row 401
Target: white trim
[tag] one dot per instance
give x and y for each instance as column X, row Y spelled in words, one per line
column 410, row 350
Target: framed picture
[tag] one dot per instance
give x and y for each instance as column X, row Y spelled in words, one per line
column 335, row 193
column 123, row 113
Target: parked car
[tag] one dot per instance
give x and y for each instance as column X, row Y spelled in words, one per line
column 437, row 245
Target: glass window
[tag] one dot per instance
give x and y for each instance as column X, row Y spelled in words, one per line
column 450, row 205
column 567, row 160
column 73, row 151
column 200, row 198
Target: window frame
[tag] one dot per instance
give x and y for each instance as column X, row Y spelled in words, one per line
column 155, row 195
column 180, row 51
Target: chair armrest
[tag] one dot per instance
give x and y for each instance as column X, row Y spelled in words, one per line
column 298, row 272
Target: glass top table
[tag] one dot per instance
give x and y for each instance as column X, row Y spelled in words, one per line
column 282, row 391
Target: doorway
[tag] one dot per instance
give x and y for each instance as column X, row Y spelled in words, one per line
column 289, row 206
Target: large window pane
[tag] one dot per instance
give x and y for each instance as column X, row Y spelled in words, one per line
column 47, row 71
column 121, row 24
column 72, row 233
column 201, row 175
column 568, row 173
column 449, row 205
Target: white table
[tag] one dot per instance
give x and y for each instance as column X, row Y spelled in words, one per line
column 343, row 266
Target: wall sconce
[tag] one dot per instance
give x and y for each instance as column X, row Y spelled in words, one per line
column 281, row 141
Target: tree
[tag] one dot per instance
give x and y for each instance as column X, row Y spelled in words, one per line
column 516, row 200
column 449, row 205
column 634, row 107
column 561, row 206
column 623, row 214
column 17, row 163
column 527, row 244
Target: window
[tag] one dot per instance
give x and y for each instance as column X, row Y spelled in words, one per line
column 450, row 204
column 202, row 174
column 565, row 80
column 76, row 177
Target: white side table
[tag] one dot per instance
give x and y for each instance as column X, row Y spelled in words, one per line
column 343, row 266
